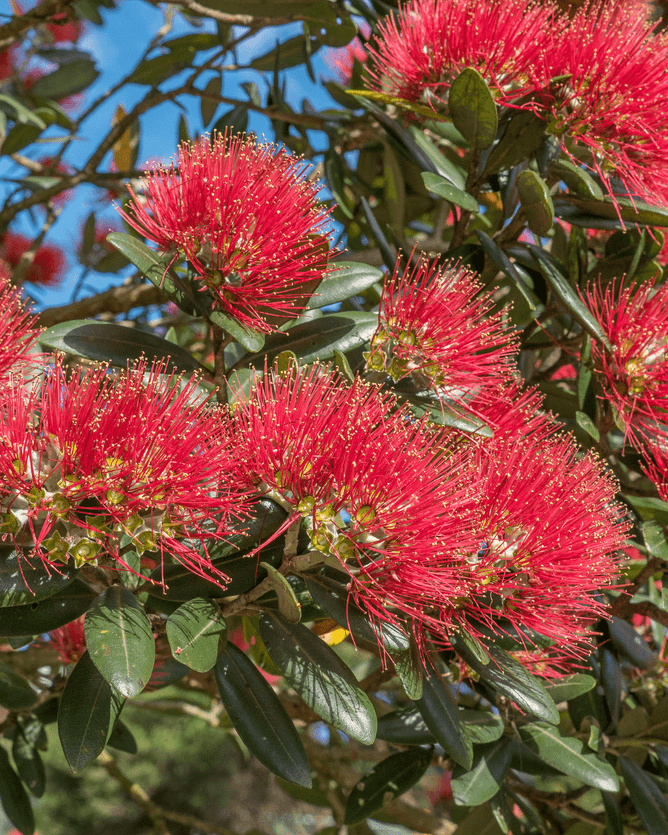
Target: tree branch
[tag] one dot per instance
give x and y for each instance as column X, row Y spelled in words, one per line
column 43, row 12
column 115, row 300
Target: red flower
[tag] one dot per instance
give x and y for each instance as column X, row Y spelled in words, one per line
column 423, row 48
column 89, row 460
column 634, row 369
column 657, row 468
column 342, row 60
column 17, row 331
column 438, row 327
column 70, row 641
column 62, row 29
column 6, row 64
column 46, row 267
column 246, row 220
column 614, row 103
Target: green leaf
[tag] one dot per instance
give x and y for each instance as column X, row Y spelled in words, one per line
column 19, row 112
column 568, row 756
column 631, row 211
column 649, row 507
column 410, row 670
column 89, row 707
column 440, row 712
column 655, row 539
column 481, row 726
column 45, row 615
column 107, row 342
column 24, row 582
column 292, row 52
column 482, row 781
column 208, row 106
column 389, row 779
column 350, row 279
column 29, row 764
column 251, row 340
column 471, row 105
column 120, row 640
column 585, row 422
column 288, row 605
column 15, row 692
column 259, row 717
column 15, row 800
column 577, row 179
column 319, row 676
column 441, row 164
column 24, row 134
column 440, row 186
column 536, row 201
column 510, row 678
column 156, row 70
column 194, row 631
column 404, row 727
column 567, row 296
column 647, row 798
column 65, row 81
column 568, row 687
column 121, row 739
column 614, row 820
column 521, row 138
column 629, row 643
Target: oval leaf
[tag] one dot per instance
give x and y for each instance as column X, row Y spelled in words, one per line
column 440, row 712
column 66, row 80
column 568, row 687
column 440, row 186
column 577, row 179
column 350, row 279
column 23, row 582
column 568, row 756
column 15, row 692
column 48, row 614
column 288, row 606
column 388, row 780
column 15, row 800
column 194, row 631
column 647, row 797
column 319, row 676
column 120, row 641
column 88, row 709
column 536, row 202
column 473, row 110
column 405, row 727
column 259, row 717
column 522, row 137
column 479, row 784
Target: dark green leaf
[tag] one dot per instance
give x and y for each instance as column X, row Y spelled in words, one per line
column 235, row 120
column 314, row 796
column 471, row 105
column 52, row 613
column 611, row 678
column 479, row 784
column 440, row 186
column 405, row 727
column 481, row 726
column 655, row 539
column 536, row 202
column 24, row 582
column 319, row 676
column 350, row 279
column 499, row 258
column 440, row 712
column 585, row 422
column 631, row 211
column 291, row 52
column 89, row 707
column 510, row 678
column 441, row 164
column 15, row 692
column 29, row 764
column 65, row 81
column 22, row 134
column 194, row 631
column 192, row 43
column 577, row 179
column 568, row 687
column 567, row 296
column 120, row 640
column 629, row 643
column 15, row 800
column 107, row 342
column 649, row 507
column 121, row 739
column 388, row 780
column 259, row 717
column 249, row 339
column 614, row 820
column 647, row 798
column 208, row 106
column 155, row 70
column 409, row 668
column 521, row 138
column 18, row 111
column 569, row 756
column 289, row 607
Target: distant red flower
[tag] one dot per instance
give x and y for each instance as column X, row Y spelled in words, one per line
column 60, row 168
column 70, row 641
column 46, row 268
column 62, row 29
column 246, row 220
column 17, row 329
column 6, row 64
column 89, row 459
column 634, row 369
column 437, row 326
column 421, row 49
column 342, row 59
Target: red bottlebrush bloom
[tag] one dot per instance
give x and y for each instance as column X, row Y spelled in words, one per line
column 69, row 640
column 46, row 267
column 63, row 30
column 89, row 460
column 342, row 60
column 17, row 331
column 6, row 64
column 633, row 370
column 246, row 220
column 614, row 103
column 657, row 468
column 437, row 326
column 423, row 48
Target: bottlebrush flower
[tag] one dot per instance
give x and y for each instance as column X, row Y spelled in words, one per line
column 342, row 59
column 87, row 460
column 46, row 267
column 657, row 468
column 69, row 641
column 17, row 331
column 614, row 103
column 437, row 326
column 245, row 218
column 421, row 50
column 634, row 369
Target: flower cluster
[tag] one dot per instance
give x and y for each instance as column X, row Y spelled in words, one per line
column 97, row 461
column 46, row 266
column 17, row 331
column 247, row 221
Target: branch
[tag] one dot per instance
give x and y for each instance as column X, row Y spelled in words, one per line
column 223, row 17
column 13, row 30
column 115, row 300
column 646, row 609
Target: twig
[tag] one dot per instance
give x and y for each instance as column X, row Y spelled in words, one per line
column 115, row 300
column 42, row 13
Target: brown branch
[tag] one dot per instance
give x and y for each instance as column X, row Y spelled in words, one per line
column 43, row 12
column 224, row 17
column 115, row 300
column 157, row 814
column 653, row 565
column 644, row 608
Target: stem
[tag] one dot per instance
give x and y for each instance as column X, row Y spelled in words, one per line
column 220, row 341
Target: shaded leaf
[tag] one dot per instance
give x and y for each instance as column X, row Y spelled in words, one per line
column 388, row 780
column 319, row 676
column 521, row 138
column 120, row 640
column 629, row 643
column 350, row 279
column 655, row 539
column 29, row 764
column 24, row 581
column 15, row 800
column 15, row 692
column 577, row 179
column 647, row 798
column 121, row 739
column 194, row 631
column 89, row 707
column 45, row 615
column 474, row 786
column 440, row 712
column 481, row 726
column 66, row 80
column 259, row 717
column 405, row 727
